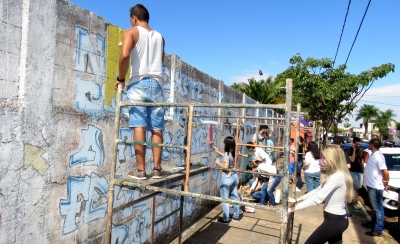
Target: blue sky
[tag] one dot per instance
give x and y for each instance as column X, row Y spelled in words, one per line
column 231, row 39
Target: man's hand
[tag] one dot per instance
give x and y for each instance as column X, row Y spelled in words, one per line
column 119, row 83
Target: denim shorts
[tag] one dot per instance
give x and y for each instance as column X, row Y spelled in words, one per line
column 357, row 179
column 146, row 90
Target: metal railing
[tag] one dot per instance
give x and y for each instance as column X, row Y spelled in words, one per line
column 286, row 219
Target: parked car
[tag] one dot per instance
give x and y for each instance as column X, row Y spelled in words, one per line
column 348, row 145
column 392, row 157
column 345, row 139
column 389, row 143
column 364, row 140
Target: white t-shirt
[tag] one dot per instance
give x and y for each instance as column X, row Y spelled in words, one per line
column 373, row 170
column 260, row 154
column 313, row 166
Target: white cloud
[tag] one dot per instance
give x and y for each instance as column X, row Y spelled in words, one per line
column 384, row 97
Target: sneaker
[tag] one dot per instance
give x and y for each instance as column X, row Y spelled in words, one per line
column 373, row 233
column 355, row 207
column 236, row 219
column 157, row 174
column 297, row 189
column 138, row 175
column 222, row 221
column 349, row 215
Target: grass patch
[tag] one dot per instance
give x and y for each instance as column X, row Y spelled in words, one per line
column 359, row 213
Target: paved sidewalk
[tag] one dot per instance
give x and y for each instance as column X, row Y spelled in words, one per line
column 264, row 226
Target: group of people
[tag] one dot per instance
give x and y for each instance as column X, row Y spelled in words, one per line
column 344, row 177
column 143, row 50
column 262, row 186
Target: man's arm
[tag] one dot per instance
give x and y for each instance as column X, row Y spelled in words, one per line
column 385, row 174
column 353, row 154
column 128, row 43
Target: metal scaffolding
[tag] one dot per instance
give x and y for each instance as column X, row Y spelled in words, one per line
column 183, row 178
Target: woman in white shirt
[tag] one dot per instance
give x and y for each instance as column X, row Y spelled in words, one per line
column 311, row 166
column 336, row 191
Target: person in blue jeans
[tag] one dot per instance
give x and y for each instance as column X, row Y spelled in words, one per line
column 376, row 179
column 311, row 166
column 229, row 180
column 269, row 184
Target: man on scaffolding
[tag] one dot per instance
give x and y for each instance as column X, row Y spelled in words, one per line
column 143, row 49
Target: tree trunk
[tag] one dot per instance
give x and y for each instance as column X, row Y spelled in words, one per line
column 335, row 128
column 365, row 129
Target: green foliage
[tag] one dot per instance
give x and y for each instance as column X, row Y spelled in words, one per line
column 339, row 130
column 367, row 113
column 326, row 92
column 382, row 122
column 264, row 91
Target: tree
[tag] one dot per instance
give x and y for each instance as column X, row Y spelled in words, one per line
column 263, row 91
column 367, row 113
column 346, row 123
column 382, row 122
column 326, row 92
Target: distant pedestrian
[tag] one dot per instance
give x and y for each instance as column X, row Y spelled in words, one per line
column 336, row 190
column 376, row 179
column 311, row 166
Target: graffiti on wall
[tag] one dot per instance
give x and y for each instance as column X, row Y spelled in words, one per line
column 92, row 150
column 86, row 194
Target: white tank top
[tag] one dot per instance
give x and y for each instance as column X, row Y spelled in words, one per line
column 146, row 56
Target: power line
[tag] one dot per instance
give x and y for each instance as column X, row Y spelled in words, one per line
column 366, row 10
column 381, row 103
column 341, row 34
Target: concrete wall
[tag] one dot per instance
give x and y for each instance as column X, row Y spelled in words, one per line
column 57, row 105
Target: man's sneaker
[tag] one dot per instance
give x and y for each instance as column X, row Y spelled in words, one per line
column 297, row 189
column 222, row 221
column 373, row 233
column 138, row 175
column 236, row 219
column 349, row 215
column 355, row 207
column 157, row 174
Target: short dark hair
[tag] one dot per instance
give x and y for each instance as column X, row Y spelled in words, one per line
column 356, row 139
column 140, row 12
column 376, row 142
column 250, row 147
column 263, row 127
column 337, row 140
